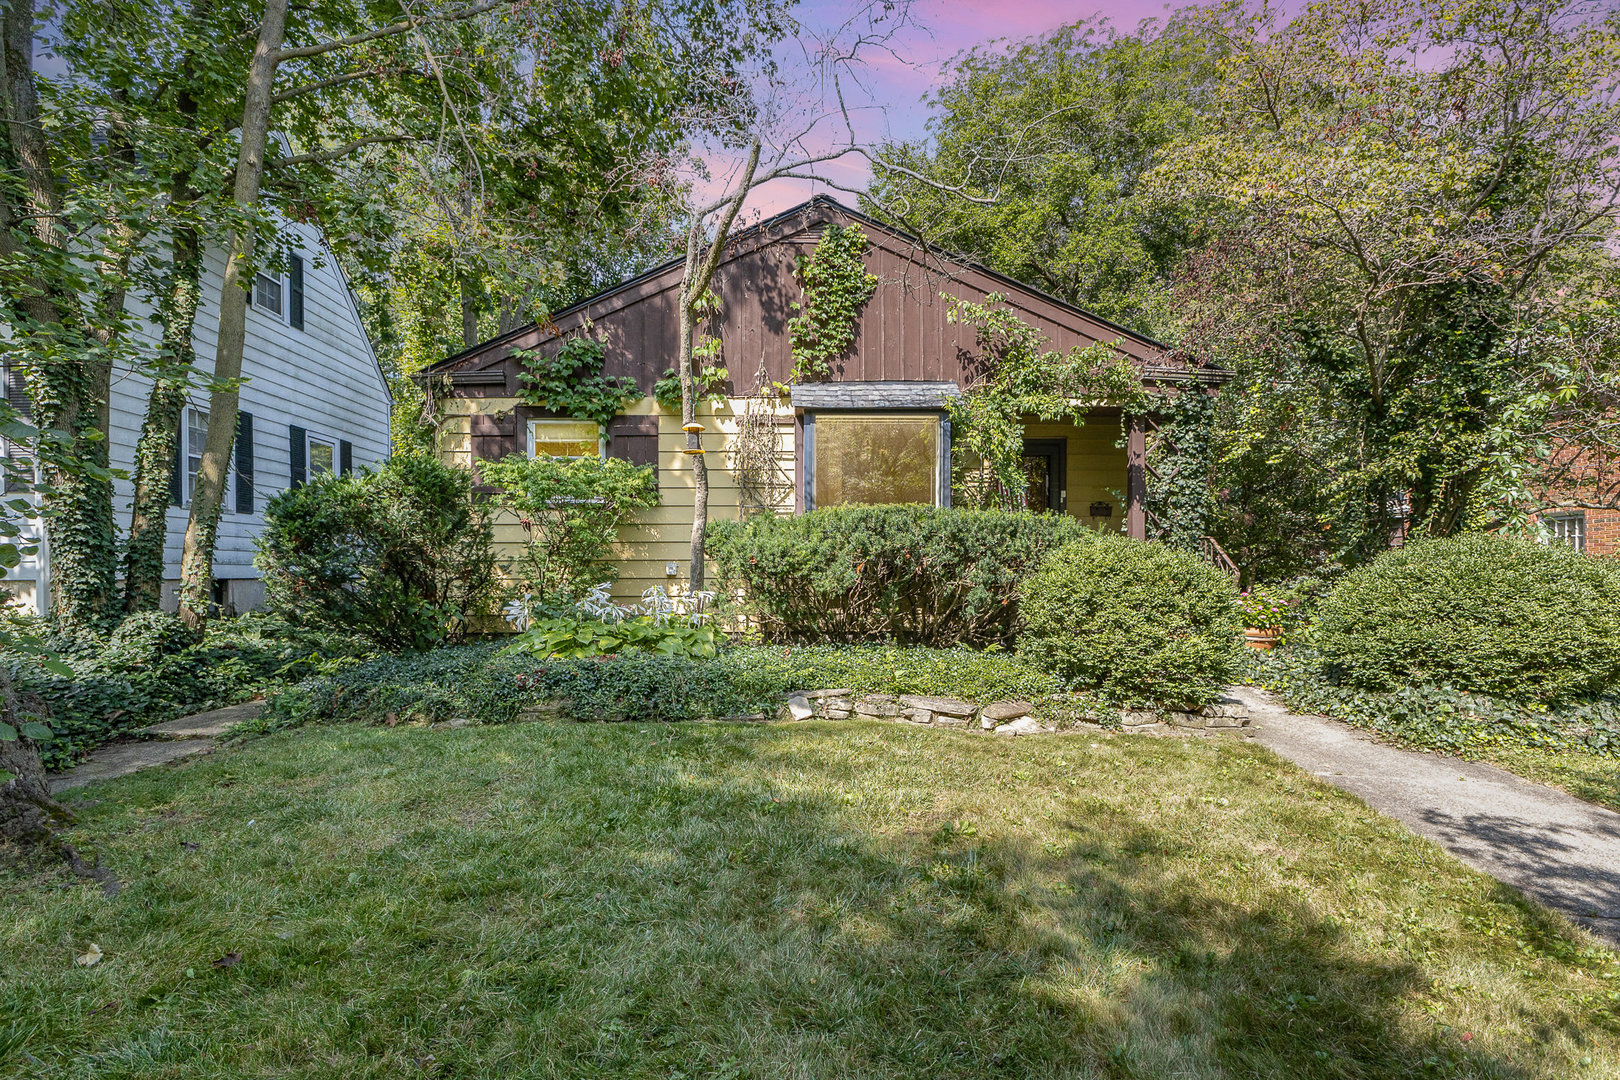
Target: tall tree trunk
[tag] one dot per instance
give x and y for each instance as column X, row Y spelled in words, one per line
column 157, row 448
column 469, row 312
column 197, row 558
column 702, row 260
column 68, row 360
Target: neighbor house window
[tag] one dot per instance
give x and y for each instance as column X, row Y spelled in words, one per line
column 565, row 439
column 195, row 439
column 865, row 459
column 322, row 454
column 267, row 293
column 1568, row 529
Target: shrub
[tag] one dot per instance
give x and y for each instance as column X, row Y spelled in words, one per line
column 1487, row 613
column 400, row 554
column 1141, row 623
column 574, row 637
column 570, row 510
column 909, row 574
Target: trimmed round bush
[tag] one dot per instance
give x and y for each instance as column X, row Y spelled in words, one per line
column 916, row 575
column 1141, row 623
column 1491, row 614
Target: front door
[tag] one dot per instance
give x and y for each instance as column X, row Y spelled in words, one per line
column 1043, row 469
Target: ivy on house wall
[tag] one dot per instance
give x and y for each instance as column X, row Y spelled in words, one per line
column 1180, row 461
column 1019, row 379
column 836, row 286
column 571, row 382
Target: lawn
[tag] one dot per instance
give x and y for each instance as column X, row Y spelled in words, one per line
column 783, row 900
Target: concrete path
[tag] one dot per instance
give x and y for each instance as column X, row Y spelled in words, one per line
column 1548, row 844
column 170, row 741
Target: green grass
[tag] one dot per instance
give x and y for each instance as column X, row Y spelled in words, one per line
column 808, row 900
column 1593, row 777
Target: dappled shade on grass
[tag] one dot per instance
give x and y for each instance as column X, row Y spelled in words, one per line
column 818, row 900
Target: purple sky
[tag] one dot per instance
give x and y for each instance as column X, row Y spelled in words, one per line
column 894, row 86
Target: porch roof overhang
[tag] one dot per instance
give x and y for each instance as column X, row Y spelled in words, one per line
column 873, row 395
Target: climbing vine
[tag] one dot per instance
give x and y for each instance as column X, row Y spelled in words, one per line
column 571, row 382
column 709, row 383
column 1180, row 459
column 1021, row 378
column 836, row 287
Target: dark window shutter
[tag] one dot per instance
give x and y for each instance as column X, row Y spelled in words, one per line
column 244, row 463
column 177, row 463
column 298, row 448
column 345, row 457
column 295, row 291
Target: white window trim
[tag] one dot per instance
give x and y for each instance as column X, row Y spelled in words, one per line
column 313, row 437
column 281, row 284
column 227, row 498
column 1573, row 538
column 536, row 421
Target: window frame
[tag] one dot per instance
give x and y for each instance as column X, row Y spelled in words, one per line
column 280, row 281
column 310, row 439
column 942, row 462
column 535, row 421
column 1576, row 538
column 188, row 478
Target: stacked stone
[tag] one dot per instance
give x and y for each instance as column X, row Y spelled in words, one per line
column 1002, row 717
column 1223, row 712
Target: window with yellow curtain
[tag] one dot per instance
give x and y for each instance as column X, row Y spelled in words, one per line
column 564, row 438
column 864, row 460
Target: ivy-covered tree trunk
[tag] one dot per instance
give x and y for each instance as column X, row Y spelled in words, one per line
column 67, row 358
column 197, row 558
column 156, row 449
column 27, row 811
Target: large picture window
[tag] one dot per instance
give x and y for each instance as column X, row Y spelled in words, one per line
column 868, row 459
column 564, row 438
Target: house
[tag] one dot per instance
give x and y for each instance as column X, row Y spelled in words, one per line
column 313, row 399
column 1582, row 508
column 886, row 400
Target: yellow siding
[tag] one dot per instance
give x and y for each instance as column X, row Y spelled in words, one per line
column 661, row 535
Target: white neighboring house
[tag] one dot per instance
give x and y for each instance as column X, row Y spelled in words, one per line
column 313, row 399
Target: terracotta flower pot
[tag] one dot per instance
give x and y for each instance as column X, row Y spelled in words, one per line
column 1262, row 639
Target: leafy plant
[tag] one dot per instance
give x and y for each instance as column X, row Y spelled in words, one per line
column 708, row 382
column 1139, row 623
column 399, row 553
column 908, row 574
column 1481, row 612
column 573, row 637
column 836, row 286
column 1020, row 379
column 570, row 511
column 570, row 382
column 1262, row 610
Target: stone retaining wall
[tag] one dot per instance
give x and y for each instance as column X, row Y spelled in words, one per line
column 1000, row 717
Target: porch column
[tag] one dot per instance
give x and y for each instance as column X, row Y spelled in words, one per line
column 1136, row 479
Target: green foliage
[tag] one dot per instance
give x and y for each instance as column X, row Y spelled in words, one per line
column 708, row 382
column 570, row 638
column 836, row 286
column 1480, row 612
column 570, row 511
column 1056, row 134
column 1141, row 623
column 1180, row 499
column 908, row 574
column 400, row 553
column 1021, row 379
column 1438, row 716
column 570, row 382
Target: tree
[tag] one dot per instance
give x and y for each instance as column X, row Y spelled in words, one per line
column 1401, row 196
column 1056, row 136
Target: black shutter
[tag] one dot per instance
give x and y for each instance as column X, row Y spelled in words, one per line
column 296, row 437
column 177, row 462
column 345, row 457
column 244, row 463
column 295, row 291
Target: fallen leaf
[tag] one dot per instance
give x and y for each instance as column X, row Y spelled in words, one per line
column 90, row 957
column 229, row 960
column 1468, row 1036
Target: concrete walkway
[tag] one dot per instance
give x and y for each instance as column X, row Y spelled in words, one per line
column 1548, row 844
column 168, row 741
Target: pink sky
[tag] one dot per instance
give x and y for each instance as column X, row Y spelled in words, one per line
column 893, row 87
